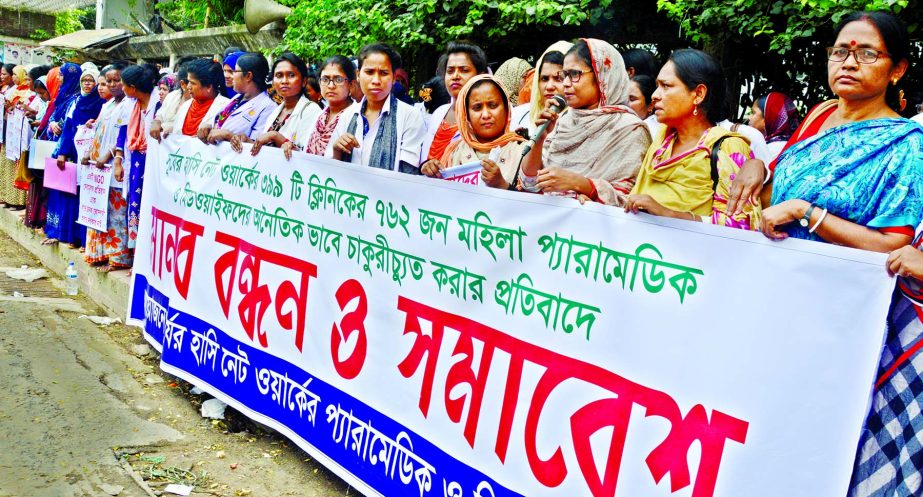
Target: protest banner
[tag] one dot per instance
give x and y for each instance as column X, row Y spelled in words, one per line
column 423, row 337
column 64, row 180
column 94, row 196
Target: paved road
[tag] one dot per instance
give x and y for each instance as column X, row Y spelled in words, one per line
column 72, row 398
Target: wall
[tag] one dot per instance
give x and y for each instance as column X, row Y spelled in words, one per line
column 22, row 24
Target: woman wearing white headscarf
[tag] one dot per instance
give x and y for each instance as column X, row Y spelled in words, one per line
column 594, row 150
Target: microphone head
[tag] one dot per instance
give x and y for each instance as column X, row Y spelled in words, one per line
column 559, row 101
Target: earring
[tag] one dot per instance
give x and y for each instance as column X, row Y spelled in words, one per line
column 894, row 82
column 902, row 102
column 696, row 111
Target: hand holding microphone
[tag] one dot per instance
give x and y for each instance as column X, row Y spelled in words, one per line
column 553, row 106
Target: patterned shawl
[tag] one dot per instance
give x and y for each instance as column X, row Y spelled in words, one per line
column 510, row 74
column 780, row 116
column 867, row 172
column 605, row 144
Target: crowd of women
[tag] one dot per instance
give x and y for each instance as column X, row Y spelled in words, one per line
column 586, row 121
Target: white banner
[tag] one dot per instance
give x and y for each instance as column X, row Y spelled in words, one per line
column 94, row 195
column 423, row 337
column 83, row 140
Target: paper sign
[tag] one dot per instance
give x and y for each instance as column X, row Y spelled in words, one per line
column 14, row 123
column 83, row 139
column 39, row 150
column 94, row 196
column 64, row 180
column 469, row 173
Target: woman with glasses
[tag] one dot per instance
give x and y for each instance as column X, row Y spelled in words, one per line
column 246, row 114
column 687, row 172
column 546, row 83
column 337, row 74
column 852, row 174
column 289, row 73
column 594, row 150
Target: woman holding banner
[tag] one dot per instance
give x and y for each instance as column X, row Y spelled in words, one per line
column 289, row 73
column 21, row 93
column 337, row 74
column 852, row 174
column 687, row 173
column 483, row 110
column 246, row 114
column 381, row 131
column 592, row 151
column 206, row 86
column 64, row 207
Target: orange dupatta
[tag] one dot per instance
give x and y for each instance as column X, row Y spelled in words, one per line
column 464, row 127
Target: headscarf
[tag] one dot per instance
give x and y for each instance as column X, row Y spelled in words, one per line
column 43, row 80
column 779, row 115
column 510, row 74
column 170, row 81
column 525, row 93
column 464, row 126
column 53, row 84
column 90, row 69
column 88, row 104
column 537, row 102
column 231, row 60
column 605, row 144
column 22, row 90
column 70, row 86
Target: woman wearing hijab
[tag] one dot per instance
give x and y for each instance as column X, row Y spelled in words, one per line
column 63, row 207
column 249, row 110
column 594, row 150
column 546, row 83
column 19, row 94
column 37, row 196
column 483, row 110
column 228, row 66
column 512, row 75
column 777, row 118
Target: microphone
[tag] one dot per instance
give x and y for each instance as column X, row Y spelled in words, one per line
column 558, row 104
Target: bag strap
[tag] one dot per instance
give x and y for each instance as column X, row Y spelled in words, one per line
column 735, row 127
column 714, row 161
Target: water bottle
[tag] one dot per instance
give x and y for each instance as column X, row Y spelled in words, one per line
column 70, row 279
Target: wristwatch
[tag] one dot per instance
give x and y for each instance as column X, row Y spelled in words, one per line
column 805, row 221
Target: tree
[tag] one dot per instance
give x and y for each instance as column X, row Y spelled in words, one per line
column 198, row 14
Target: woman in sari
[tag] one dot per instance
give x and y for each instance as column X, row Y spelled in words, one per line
column 776, row 117
column 677, row 178
column 592, row 151
column 463, row 62
column 21, row 93
column 63, row 207
column 138, row 82
column 109, row 249
column 852, row 174
column 483, row 109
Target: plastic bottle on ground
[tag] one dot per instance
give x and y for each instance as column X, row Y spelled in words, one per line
column 70, row 280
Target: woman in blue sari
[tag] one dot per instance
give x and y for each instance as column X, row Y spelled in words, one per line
column 852, row 174
column 63, row 207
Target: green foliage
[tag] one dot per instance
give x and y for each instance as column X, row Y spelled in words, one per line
column 70, row 21
column 197, row 14
column 781, row 23
column 40, row 34
column 319, row 28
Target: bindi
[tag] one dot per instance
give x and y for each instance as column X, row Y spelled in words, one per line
column 852, row 43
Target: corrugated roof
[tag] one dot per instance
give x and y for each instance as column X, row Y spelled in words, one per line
column 88, row 38
column 45, row 6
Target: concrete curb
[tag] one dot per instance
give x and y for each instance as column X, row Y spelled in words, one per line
column 109, row 290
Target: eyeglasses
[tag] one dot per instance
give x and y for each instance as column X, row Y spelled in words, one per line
column 336, row 80
column 862, row 55
column 574, row 74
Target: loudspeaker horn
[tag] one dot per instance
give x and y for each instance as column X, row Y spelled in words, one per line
column 258, row 13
